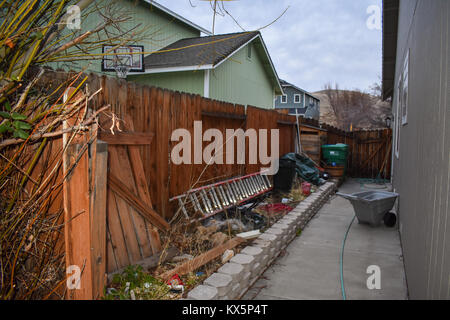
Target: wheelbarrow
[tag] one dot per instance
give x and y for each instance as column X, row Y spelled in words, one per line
column 371, row 206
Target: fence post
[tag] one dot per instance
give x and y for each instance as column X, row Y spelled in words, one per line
column 99, row 172
column 84, row 189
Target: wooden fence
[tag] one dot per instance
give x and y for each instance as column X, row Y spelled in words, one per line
column 369, row 151
column 159, row 112
column 138, row 177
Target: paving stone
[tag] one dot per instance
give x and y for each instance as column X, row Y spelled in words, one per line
column 203, row 292
column 220, row 281
column 268, row 237
column 256, row 268
column 235, row 290
column 263, row 244
column 243, row 259
column 257, row 252
column 286, row 225
column 276, row 231
column 234, row 270
column 246, row 279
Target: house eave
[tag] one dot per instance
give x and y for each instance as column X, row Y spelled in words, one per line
column 390, row 34
column 178, row 17
column 173, row 69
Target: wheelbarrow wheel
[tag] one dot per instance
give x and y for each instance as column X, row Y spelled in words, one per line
column 390, row 219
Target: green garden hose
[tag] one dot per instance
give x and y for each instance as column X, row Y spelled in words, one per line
column 341, row 263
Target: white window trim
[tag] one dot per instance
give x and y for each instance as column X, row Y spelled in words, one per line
column 405, row 87
column 299, row 98
column 281, row 99
column 397, row 121
column 206, row 83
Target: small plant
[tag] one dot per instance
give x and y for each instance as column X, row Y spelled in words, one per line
column 14, row 123
column 135, row 284
column 193, row 279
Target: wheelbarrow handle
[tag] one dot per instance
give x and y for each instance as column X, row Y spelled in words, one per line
column 346, row 196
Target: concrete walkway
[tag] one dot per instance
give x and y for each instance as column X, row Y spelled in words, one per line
column 309, row 267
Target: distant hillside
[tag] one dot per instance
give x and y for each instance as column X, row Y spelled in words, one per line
column 344, row 108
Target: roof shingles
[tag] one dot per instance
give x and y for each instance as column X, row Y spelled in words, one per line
column 198, row 51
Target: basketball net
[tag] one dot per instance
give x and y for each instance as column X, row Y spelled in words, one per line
column 122, row 65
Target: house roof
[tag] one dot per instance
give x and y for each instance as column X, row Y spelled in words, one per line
column 209, row 52
column 390, row 31
column 284, row 83
column 199, row 51
column 177, row 16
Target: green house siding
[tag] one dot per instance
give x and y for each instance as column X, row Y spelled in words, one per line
column 187, row 81
column 160, row 29
column 242, row 80
column 239, row 79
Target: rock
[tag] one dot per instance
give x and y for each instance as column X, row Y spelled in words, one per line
column 183, row 257
column 218, row 238
column 227, row 255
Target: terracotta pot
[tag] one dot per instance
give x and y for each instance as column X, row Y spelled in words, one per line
column 335, row 172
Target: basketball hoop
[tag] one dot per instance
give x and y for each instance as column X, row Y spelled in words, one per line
column 122, row 65
column 123, row 60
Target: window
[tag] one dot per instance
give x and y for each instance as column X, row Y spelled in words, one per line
column 297, row 98
column 401, row 115
column 249, row 51
column 397, row 118
column 284, row 98
column 404, row 90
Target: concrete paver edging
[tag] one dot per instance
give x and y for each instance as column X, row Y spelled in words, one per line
column 235, row 277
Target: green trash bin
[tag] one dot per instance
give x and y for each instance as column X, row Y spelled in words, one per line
column 335, row 153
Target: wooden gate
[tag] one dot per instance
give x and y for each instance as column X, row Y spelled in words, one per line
column 131, row 223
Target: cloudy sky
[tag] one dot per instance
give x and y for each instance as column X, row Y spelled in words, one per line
column 315, row 42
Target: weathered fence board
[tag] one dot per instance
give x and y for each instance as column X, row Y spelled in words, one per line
column 146, row 176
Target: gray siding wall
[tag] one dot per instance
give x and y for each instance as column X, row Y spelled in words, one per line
column 290, row 92
column 422, row 171
column 303, row 108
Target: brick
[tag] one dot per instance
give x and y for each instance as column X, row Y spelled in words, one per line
column 269, row 247
column 277, row 231
column 203, row 292
column 290, row 218
column 243, row 259
column 302, row 206
column 288, row 226
column 222, row 282
column 263, row 244
column 252, row 251
column 264, row 260
column 245, row 280
column 267, row 237
column 255, row 268
column 234, row 270
column 286, row 222
column 296, row 215
column 235, row 290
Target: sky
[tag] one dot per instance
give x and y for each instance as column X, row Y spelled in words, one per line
column 314, row 43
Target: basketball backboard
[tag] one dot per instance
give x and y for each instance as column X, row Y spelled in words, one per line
column 123, row 59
